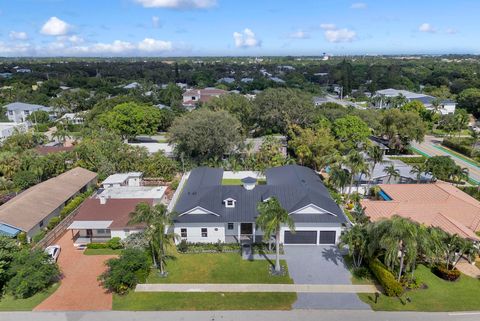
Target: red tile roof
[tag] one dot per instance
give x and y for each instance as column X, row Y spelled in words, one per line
column 440, row 204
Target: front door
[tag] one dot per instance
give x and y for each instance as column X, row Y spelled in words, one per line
column 246, row 228
column 90, row 234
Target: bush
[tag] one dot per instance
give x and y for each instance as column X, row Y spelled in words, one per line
column 31, row 272
column 182, row 247
column 115, row 243
column 124, row 273
column 411, row 160
column 185, row 247
column 386, row 279
column 441, row 271
column 174, row 184
column 53, row 222
column 96, row 246
column 462, row 146
column 39, row 236
column 74, row 203
column 361, row 272
column 136, row 241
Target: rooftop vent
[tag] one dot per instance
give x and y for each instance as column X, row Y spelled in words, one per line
column 249, row 183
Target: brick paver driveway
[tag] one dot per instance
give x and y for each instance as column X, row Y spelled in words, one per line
column 79, row 289
column 310, row 264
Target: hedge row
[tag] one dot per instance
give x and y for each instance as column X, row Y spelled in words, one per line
column 386, row 279
column 459, row 145
column 411, row 160
column 114, row 243
column 74, row 203
column 186, row 247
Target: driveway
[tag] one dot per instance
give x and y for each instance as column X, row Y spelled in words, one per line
column 308, row 264
column 79, row 289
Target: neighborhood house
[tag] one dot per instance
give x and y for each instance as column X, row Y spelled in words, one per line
column 208, row 211
column 18, row 112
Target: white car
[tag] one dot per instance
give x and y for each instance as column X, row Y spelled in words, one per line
column 53, row 251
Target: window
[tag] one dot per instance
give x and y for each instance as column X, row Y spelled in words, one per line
column 229, row 202
column 230, row 226
column 101, row 231
column 204, row 232
column 10, row 112
column 27, row 112
column 127, row 232
column 183, row 232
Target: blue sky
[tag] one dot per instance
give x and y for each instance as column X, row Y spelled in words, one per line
column 236, row 27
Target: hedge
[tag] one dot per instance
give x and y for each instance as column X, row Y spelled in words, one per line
column 185, row 247
column 114, row 243
column 459, row 145
column 390, row 285
column 441, row 271
column 411, row 160
column 74, row 203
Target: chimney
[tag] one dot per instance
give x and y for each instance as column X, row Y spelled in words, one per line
column 103, row 199
column 249, row 183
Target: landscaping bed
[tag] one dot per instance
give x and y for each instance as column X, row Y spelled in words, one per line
column 189, row 248
column 437, row 295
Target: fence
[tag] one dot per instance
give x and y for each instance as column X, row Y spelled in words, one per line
column 56, row 232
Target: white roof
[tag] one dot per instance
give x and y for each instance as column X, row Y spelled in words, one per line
column 83, row 225
column 155, row 147
column 120, row 178
column 125, row 192
column 390, row 92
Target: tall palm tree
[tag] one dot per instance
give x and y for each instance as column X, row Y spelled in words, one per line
column 356, row 164
column 418, row 170
column 375, row 154
column 357, row 241
column 270, row 219
column 339, row 178
column 392, row 172
column 158, row 222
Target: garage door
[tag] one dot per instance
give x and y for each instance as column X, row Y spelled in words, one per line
column 327, row 237
column 300, row 237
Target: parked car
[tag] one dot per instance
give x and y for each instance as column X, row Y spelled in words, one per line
column 53, row 252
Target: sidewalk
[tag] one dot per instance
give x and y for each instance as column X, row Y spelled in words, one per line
column 468, row 269
column 298, row 288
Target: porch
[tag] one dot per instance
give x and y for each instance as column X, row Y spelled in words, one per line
column 85, row 232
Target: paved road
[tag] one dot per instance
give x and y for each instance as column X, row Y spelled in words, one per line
column 304, row 315
column 298, row 288
column 320, row 265
column 431, row 147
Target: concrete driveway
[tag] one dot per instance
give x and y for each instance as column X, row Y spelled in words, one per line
column 309, row 264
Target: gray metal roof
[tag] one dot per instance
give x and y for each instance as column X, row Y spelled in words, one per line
column 294, row 186
column 25, row 106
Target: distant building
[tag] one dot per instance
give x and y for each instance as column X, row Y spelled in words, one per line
column 227, row 80
column 194, row 96
column 247, row 80
column 8, row 129
column 74, row 118
column 445, row 107
column 5, row 75
column 18, row 112
column 132, row 85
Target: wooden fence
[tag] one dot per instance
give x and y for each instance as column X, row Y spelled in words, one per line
column 56, row 232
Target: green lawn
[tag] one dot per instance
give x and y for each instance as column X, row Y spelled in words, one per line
column 441, row 295
column 203, row 301
column 102, row 252
column 8, row 303
column 217, row 268
column 236, row 181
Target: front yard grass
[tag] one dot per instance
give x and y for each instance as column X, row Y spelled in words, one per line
column 217, row 268
column 440, row 295
column 9, row 303
column 102, row 252
column 203, row 301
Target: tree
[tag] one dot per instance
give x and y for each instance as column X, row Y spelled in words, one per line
column 418, row 170
column 270, row 219
column 392, row 172
column 357, row 240
column 375, row 153
column 8, row 248
column 470, row 100
column 401, row 127
column 39, row 117
column 73, row 101
column 456, row 247
column 132, row 119
column 441, row 167
column 158, row 233
column 31, row 272
column 414, row 106
column 171, row 95
column 204, row 134
column 351, row 130
column 237, row 105
column 160, row 166
column 339, row 177
column 274, row 110
column 314, row 147
column 270, row 154
column 355, row 162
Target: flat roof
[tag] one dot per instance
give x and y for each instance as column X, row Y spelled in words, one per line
column 121, row 177
column 147, row 192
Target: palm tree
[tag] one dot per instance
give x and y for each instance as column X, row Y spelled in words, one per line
column 392, row 172
column 339, row 177
column 375, row 154
column 418, row 170
column 270, row 219
column 357, row 241
column 158, row 222
column 356, row 164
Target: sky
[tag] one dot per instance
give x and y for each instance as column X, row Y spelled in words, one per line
column 237, row 27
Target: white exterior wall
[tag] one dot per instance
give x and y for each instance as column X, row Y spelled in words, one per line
column 7, row 129
column 314, row 227
column 122, row 234
column 134, row 181
column 215, row 232
column 449, row 108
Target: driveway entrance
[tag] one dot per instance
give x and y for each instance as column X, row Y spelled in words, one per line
column 311, row 264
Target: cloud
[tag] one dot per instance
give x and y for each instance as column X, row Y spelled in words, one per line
column 247, row 39
column 299, row 34
column 178, row 4
column 153, row 45
column 451, row 31
column 328, row 26
column 426, row 27
column 156, row 22
column 55, row 27
column 18, row 35
column 334, row 34
column 358, row 5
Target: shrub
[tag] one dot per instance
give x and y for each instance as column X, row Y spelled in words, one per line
column 53, row 222
column 386, row 279
column 31, row 272
column 115, row 243
column 182, row 247
column 361, row 272
column 124, row 273
column 174, row 184
column 411, row 160
column 96, row 246
column 74, row 203
column 441, row 271
column 136, row 241
column 459, row 145
column 185, row 247
column 39, row 236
